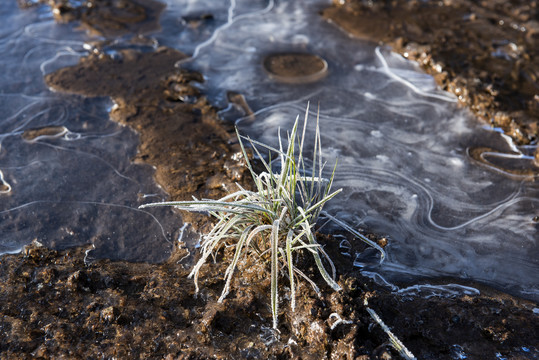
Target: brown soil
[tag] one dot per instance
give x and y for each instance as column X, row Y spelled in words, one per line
column 55, row 305
column 105, row 17
column 485, row 52
column 295, row 68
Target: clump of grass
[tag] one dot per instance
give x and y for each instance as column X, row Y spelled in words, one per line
column 275, row 220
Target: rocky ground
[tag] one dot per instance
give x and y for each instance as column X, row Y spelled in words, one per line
column 55, row 305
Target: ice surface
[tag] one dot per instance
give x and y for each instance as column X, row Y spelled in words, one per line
column 402, row 145
column 65, row 172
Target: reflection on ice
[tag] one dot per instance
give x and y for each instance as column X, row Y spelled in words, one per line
column 419, row 83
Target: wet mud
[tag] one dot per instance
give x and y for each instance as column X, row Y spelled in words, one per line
column 484, row 52
column 57, row 304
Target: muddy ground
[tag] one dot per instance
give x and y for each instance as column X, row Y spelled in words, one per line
column 54, row 305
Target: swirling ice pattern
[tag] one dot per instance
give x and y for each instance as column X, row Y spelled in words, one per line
column 65, row 172
column 402, row 146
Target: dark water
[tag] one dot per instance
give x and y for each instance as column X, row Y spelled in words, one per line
column 402, row 144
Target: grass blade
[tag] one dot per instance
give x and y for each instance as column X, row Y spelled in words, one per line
column 274, row 272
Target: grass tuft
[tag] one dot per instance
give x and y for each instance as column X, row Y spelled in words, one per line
column 275, row 220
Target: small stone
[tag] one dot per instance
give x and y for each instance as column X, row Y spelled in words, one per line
column 109, row 314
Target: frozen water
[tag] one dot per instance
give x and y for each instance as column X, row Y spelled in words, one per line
column 65, row 172
column 402, row 145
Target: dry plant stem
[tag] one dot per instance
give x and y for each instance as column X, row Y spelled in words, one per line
column 395, row 342
column 358, row 235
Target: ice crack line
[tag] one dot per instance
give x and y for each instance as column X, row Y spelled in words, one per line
column 225, row 26
column 414, row 88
